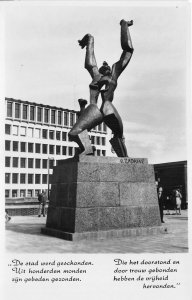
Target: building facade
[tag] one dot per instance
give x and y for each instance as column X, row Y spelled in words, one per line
column 36, row 137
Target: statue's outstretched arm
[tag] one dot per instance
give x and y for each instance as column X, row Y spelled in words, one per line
column 90, row 61
column 126, row 45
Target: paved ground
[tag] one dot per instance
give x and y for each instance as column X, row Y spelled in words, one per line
column 23, row 235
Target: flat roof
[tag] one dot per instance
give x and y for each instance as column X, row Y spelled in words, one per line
column 40, row 104
column 172, row 164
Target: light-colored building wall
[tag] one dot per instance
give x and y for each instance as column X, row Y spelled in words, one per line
column 30, row 146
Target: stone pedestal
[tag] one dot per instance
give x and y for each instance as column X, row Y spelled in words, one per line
column 102, row 197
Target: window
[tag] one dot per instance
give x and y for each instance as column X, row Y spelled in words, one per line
column 70, row 151
column 25, row 108
column 7, row 161
column 37, row 178
column 44, row 133
column 53, row 116
column 7, row 192
column 39, row 114
column 22, row 193
column 15, row 130
column 51, row 149
column 9, row 109
column 72, row 119
column 37, row 148
column 30, row 132
column 92, row 139
column 32, row 113
column 64, row 136
column 30, row 147
column 15, row 145
column 44, row 149
column 104, row 127
column 37, row 133
column 58, row 135
column 30, row 178
column 64, row 150
column 58, row 150
column 23, row 131
column 98, row 152
column 98, row 140
column 15, row 162
column 7, row 129
column 15, row 178
column 46, row 115
column 17, row 110
column 37, row 163
column 51, row 163
column 59, row 114
column 44, row 163
column 37, row 192
column 7, row 177
column 51, row 134
column 44, row 178
column 103, row 141
column 30, row 162
column 103, row 152
column 23, row 162
column 99, row 127
column 29, row 193
column 22, row 178
column 66, row 118
column 23, row 147
column 7, row 145
column 76, row 150
column 14, row 193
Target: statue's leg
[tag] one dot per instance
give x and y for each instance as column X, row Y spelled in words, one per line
column 113, row 120
column 89, row 118
column 126, row 42
column 84, row 143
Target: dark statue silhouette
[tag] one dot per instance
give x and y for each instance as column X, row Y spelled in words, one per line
column 104, row 82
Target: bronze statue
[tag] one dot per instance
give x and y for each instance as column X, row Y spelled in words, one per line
column 104, row 81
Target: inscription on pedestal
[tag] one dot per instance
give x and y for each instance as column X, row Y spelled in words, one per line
column 126, row 160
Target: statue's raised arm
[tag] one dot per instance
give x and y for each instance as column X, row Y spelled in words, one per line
column 127, row 47
column 90, row 60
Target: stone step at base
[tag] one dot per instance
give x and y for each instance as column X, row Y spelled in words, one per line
column 104, row 234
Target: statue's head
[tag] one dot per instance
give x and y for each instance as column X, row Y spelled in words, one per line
column 105, row 69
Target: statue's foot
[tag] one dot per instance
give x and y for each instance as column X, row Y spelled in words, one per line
column 84, row 41
column 88, row 151
column 129, row 23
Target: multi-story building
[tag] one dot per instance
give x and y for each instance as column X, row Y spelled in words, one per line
column 36, row 137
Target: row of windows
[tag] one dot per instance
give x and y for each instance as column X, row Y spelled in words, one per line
column 45, row 148
column 40, row 114
column 23, row 162
column 35, row 132
column 46, row 134
column 38, row 148
column 22, row 193
column 23, row 178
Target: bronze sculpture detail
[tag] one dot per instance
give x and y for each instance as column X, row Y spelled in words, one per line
column 104, row 82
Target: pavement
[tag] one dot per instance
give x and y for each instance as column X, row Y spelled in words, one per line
column 23, row 235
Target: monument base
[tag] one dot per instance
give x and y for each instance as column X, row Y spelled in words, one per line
column 107, row 234
column 103, row 197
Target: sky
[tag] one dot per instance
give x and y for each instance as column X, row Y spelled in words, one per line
column 44, row 64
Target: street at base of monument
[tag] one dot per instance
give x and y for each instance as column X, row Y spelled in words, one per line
column 23, row 235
